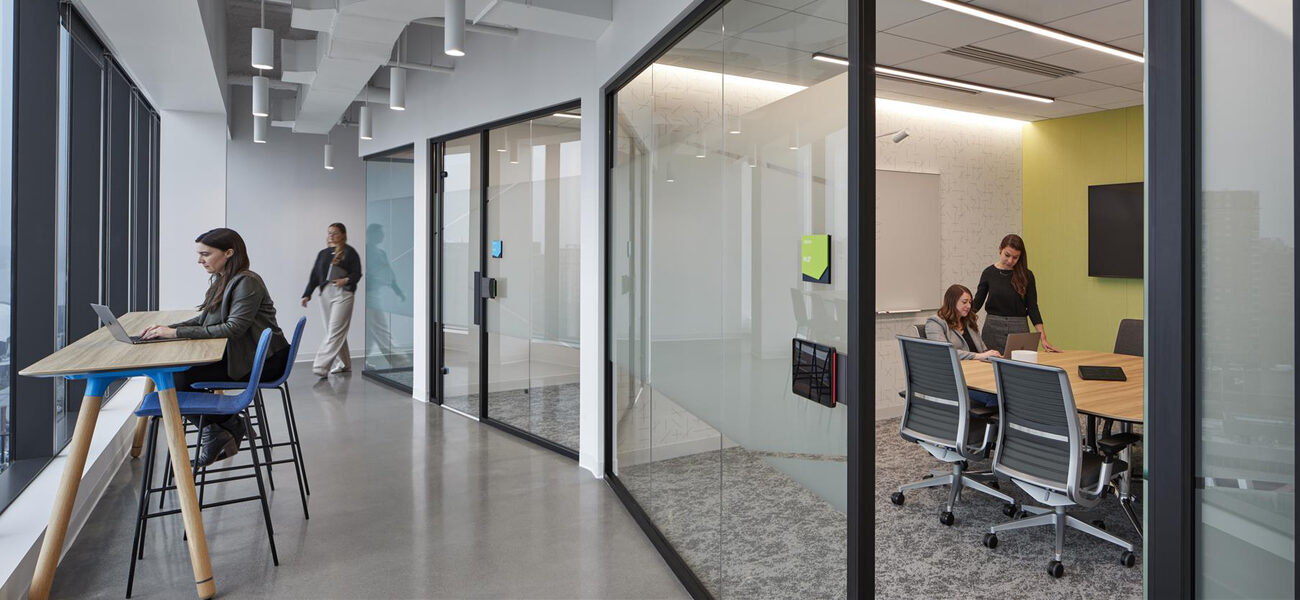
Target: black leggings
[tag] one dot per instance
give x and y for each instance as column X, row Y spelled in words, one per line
column 271, row 371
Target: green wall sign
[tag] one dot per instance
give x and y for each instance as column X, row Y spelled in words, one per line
column 815, row 258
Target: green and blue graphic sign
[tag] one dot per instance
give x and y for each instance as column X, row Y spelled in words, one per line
column 815, row 258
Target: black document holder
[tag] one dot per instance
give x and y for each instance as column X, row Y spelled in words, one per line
column 1089, row 372
column 813, row 372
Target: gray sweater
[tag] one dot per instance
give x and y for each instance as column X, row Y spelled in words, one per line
column 246, row 310
column 938, row 330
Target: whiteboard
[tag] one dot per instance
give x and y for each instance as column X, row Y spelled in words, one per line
column 907, row 241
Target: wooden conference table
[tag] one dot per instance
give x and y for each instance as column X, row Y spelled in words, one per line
column 101, row 360
column 1117, row 400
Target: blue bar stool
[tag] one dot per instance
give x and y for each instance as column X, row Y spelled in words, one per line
column 281, row 385
column 202, row 403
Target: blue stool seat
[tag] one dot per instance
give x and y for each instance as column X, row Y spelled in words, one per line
column 195, row 403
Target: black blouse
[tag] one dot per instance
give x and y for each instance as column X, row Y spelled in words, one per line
column 1003, row 300
column 350, row 263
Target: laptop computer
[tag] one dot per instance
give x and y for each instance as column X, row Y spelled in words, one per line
column 119, row 332
column 1022, row 341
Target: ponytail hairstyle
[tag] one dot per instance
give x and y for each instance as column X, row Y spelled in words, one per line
column 223, row 239
column 338, row 250
column 948, row 312
column 1020, row 272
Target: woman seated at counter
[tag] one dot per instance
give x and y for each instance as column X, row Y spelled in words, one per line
column 957, row 325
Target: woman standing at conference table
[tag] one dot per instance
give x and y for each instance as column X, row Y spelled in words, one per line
column 1011, row 294
column 335, row 273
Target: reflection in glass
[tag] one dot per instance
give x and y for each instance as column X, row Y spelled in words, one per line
column 1246, row 352
column 724, row 158
column 533, row 219
column 460, row 235
column 6, row 221
column 390, row 242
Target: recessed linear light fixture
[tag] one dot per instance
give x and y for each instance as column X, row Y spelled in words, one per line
column 567, row 115
column 1034, row 28
column 936, row 80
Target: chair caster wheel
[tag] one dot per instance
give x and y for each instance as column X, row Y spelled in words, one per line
column 1100, row 524
column 990, row 540
column 994, row 484
column 928, row 476
column 897, row 498
column 1055, row 569
column 946, row 518
column 1010, row 510
column 1127, row 559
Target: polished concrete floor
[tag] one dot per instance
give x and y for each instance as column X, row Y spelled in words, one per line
column 408, row 501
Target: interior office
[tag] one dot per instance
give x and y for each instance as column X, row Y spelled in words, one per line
column 705, row 435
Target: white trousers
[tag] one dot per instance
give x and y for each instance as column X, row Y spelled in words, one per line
column 336, row 311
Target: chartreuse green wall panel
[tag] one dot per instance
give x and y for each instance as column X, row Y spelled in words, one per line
column 1062, row 157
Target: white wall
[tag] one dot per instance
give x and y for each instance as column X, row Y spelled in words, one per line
column 192, row 199
column 501, row 77
column 978, row 160
column 281, row 199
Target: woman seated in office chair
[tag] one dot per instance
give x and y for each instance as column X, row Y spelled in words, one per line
column 956, row 324
column 237, row 307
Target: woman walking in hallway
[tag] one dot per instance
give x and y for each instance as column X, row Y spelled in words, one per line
column 335, row 273
column 1011, row 291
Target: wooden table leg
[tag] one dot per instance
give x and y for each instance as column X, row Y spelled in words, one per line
column 141, row 424
column 56, row 531
column 189, row 499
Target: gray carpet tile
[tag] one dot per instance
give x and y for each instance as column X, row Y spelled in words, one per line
column 549, row 411
column 746, row 529
column 917, row 557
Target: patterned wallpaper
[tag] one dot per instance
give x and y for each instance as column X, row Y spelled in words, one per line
column 979, row 164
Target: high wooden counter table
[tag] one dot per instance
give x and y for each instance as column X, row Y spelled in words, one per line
column 1118, row 400
column 101, row 360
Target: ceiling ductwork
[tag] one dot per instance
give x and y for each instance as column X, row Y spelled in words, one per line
column 356, row 38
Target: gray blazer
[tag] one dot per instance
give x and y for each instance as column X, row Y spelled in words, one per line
column 246, row 310
column 937, row 329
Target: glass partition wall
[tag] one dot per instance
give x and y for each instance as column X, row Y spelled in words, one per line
column 729, row 152
column 509, row 210
column 390, row 243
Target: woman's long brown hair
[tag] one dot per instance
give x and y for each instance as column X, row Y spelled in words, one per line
column 948, row 312
column 338, row 250
column 223, row 239
column 1020, row 272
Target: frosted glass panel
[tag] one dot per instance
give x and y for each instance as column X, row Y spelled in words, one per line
column 389, row 271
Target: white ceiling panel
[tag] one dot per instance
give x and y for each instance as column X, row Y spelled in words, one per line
column 1109, row 95
column 1132, row 44
column 892, row 13
column 1043, row 11
column 802, row 32
column 741, row 15
column 1026, row 45
column 1065, row 86
column 1114, row 105
column 1114, row 22
column 835, row 10
column 1084, row 60
column 1123, row 75
column 1062, row 108
column 1005, row 78
column 926, row 91
column 893, row 50
column 944, row 65
column 736, row 52
column 950, row 29
column 785, row 4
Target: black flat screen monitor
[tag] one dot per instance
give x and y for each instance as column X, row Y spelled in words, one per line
column 1115, row 226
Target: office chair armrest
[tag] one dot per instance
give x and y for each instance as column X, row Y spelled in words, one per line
column 1114, row 444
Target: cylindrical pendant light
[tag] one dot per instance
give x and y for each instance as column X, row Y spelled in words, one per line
column 514, row 153
column 453, row 33
column 263, row 53
column 364, row 123
column 668, row 171
column 397, row 88
column 259, row 130
column 263, row 48
column 261, row 96
column 329, row 155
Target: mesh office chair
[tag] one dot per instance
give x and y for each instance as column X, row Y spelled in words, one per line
column 939, row 417
column 1128, row 340
column 1040, row 448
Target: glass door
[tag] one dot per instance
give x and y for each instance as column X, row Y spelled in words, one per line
column 461, row 267
column 533, row 259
